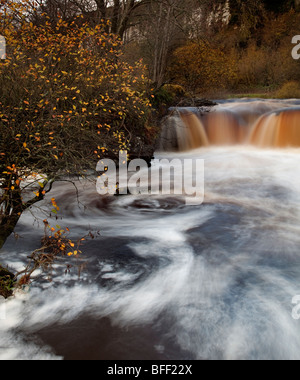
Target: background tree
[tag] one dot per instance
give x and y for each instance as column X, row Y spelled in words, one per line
column 161, row 32
column 202, row 68
column 95, row 12
column 157, row 29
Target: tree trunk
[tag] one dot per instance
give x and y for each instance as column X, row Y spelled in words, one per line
column 163, row 33
column 12, row 207
column 115, row 17
column 156, row 47
column 7, row 227
column 126, row 13
column 101, row 6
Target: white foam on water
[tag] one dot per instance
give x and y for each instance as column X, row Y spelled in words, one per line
column 222, row 274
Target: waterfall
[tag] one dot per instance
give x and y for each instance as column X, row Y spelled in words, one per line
column 224, row 128
column 259, row 123
column 279, row 129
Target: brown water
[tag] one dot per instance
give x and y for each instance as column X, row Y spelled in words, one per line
column 277, row 129
column 170, row 281
column 259, row 123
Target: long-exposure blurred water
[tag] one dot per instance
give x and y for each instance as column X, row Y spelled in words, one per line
column 164, row 280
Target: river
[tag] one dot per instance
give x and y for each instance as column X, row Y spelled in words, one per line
column 164, row 280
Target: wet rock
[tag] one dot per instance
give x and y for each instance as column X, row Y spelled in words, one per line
column 6, row 282
column 195, row 102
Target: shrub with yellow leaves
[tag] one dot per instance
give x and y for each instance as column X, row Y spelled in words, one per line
column 68, row 98
column 55, row 244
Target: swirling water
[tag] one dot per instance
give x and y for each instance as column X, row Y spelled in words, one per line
column 164, row 280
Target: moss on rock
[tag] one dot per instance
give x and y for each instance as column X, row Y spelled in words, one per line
column 6, row 282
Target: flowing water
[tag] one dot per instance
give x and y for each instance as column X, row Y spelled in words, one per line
column 168, row 281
